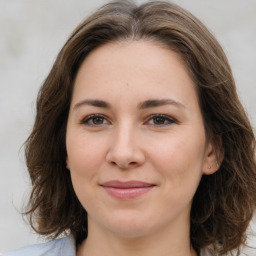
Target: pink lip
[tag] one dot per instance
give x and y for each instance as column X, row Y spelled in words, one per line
column 126, row 190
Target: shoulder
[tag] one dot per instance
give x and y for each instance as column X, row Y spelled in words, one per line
column 205, row 252
column 64, row 247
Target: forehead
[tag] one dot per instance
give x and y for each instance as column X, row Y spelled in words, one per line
column 139, row 65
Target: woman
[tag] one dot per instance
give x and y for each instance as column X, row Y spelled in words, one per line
column 140, row 144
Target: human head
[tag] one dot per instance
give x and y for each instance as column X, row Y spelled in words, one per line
column 224, row 199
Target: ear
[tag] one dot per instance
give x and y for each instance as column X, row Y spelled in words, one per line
column 214, row 155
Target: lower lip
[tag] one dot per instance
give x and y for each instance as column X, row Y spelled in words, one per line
column 127, row 193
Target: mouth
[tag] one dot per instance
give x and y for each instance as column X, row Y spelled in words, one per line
column 126, row 190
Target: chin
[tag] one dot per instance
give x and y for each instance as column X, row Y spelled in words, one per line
column 130, row 226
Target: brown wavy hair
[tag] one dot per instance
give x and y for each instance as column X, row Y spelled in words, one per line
column 224, row 201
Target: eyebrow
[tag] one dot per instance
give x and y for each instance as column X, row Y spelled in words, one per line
column 94, row 103
column 157, row 103
column 143, row 105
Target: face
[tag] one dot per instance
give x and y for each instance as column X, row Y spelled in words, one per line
column 136, row 144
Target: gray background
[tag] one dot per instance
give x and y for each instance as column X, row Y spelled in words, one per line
column 31, row 34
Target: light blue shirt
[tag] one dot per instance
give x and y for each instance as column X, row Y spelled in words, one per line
column 59, row 247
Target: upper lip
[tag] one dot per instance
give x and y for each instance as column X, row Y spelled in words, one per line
column 126, row 184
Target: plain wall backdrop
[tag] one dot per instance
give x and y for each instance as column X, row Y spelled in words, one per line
column 31, row 35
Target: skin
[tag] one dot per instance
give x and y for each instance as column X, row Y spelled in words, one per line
column 130, row 141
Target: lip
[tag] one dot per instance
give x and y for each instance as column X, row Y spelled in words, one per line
column 128, row 189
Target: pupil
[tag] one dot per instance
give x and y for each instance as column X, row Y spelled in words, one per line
column 98, row 120
column 159, row 120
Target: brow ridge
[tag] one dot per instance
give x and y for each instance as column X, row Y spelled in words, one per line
column 159, row 102
column 93, row 102
column 143, row 105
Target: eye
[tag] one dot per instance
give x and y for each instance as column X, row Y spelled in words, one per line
column 95, row 120
column 160, row 120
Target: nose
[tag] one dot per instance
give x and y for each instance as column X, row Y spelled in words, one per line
column 125, row 151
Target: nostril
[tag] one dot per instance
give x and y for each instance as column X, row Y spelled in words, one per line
column 125, row 159
column 123, row 165
column 113, row 163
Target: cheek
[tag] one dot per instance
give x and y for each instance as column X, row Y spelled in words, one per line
column 83, row 156
column 179, row 152
column 84, row 162
column 180, row 161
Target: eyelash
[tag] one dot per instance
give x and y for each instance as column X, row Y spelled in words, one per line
column 86, row 120
column 92, row 118
column 163, row 118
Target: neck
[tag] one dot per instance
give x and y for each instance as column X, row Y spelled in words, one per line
column 157, row 243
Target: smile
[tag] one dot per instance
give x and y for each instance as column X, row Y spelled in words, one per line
column 127, row 190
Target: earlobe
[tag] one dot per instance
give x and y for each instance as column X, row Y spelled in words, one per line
column 214, row 156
